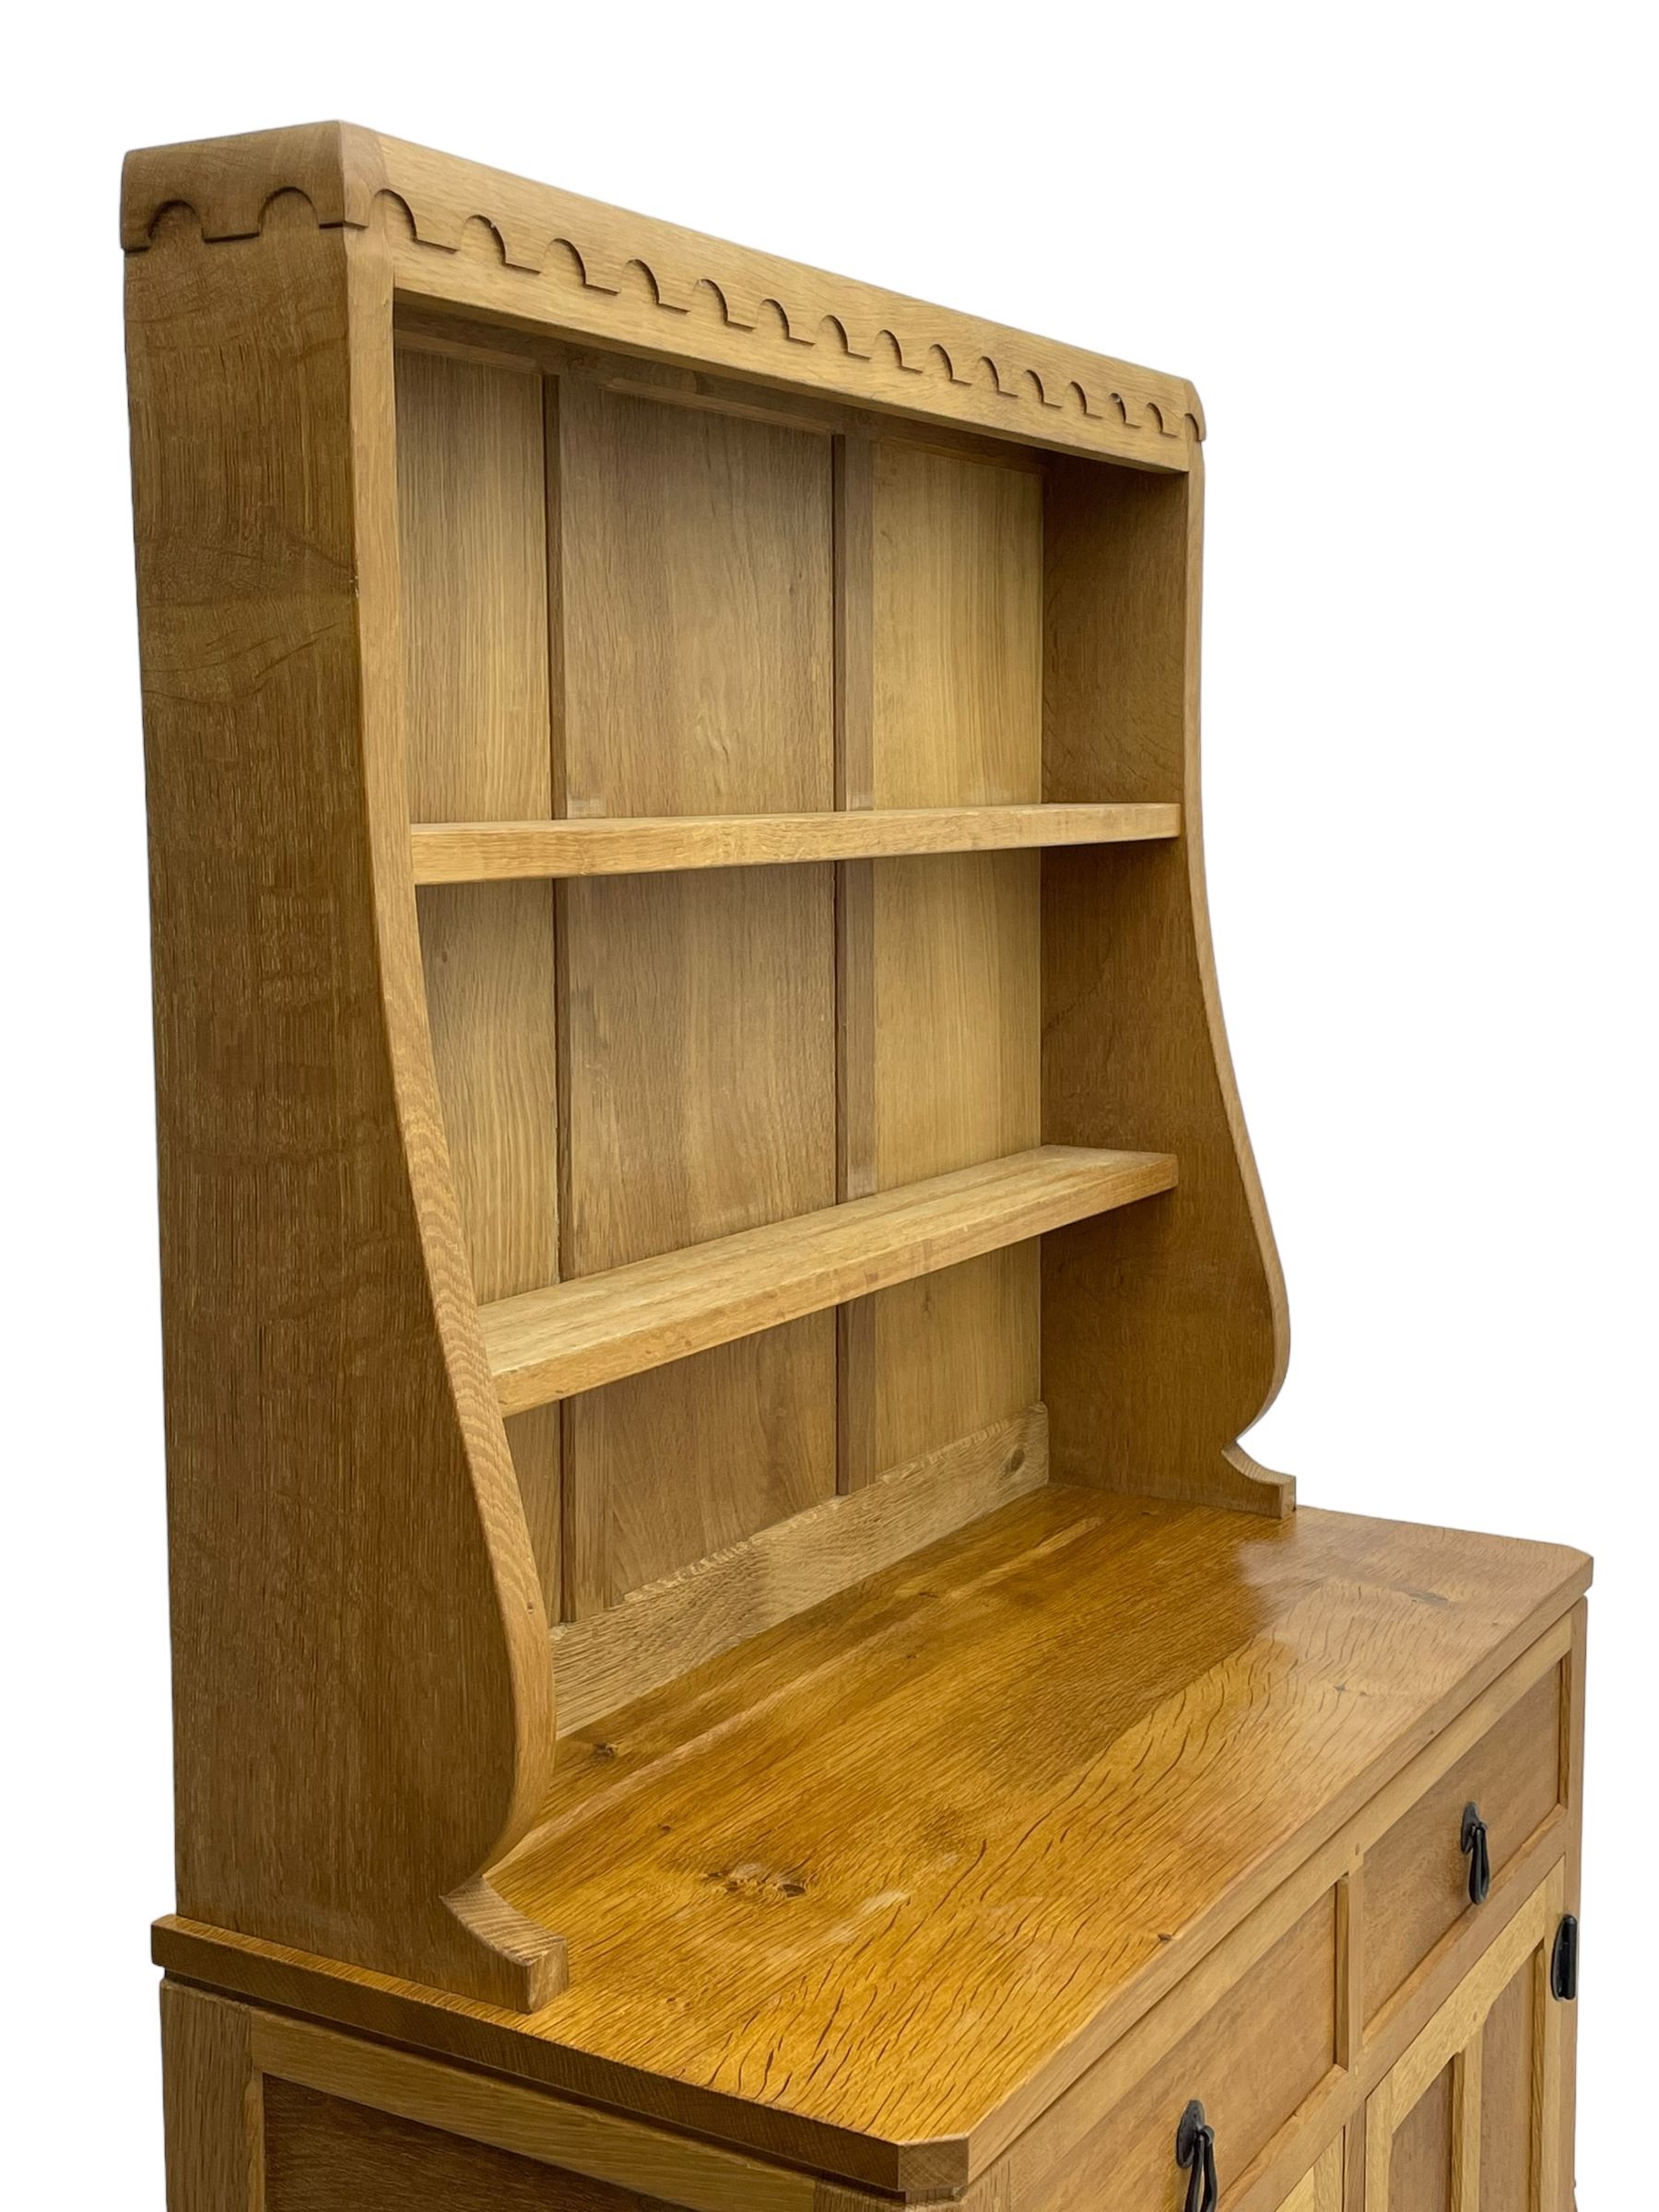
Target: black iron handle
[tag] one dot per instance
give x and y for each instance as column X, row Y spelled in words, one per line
column 1195, row 2152
column 1479, row 1852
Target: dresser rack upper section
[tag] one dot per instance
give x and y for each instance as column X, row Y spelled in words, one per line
column 479, row 238
column 495, row 1092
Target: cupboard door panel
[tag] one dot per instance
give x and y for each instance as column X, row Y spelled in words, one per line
column 1508, row 2043
column 1423, row 2163
column 1323, row 2189
column 1469, row 2119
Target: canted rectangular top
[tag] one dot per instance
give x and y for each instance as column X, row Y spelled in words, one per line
column 870, row 1891
column 479, row 238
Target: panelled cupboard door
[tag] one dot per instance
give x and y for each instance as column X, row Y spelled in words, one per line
column 1469, row 2119
column 1320, row 2190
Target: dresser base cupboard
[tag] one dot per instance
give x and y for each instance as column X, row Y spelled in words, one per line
column 727, row 1652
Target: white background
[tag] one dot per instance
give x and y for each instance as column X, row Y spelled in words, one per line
column 1405, row 254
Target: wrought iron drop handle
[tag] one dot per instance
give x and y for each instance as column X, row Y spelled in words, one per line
column 1195, row 2149
column 1479, row 1855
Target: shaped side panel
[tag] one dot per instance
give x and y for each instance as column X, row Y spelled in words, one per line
column 363, row 1687
column 1165, row 1331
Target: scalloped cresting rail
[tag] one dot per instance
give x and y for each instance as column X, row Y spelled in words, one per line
column 611, row 274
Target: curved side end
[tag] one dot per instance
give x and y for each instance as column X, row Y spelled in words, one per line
column 527, row 1960
column 531, row 1965
column 1165, row 1327
column 1260, row 1489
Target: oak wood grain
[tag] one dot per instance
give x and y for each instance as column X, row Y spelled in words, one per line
column 212, row 2104
column 496, row 851
column 1163, row 1339
column 956, row 719
column 331, row 2154
column 694, row 559
column 669, row 818
column 1223, row 1748
column 527, row 252
column 472, row 547
column 667, row 1627
column 1321, row 2189
column 1416, row 1878
column 1256, row 2057
column 628, row 2163
column 593, row 1328
column 1427, row 2130
column 320, row 1329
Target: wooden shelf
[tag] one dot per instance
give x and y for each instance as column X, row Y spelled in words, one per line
column 575, row 1336
column 503, row 851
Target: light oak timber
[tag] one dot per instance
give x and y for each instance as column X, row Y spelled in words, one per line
column 319, row 1321
column 464, row 233
column 525, row 2121
column 472, row 544
column 670, row 1627
column 1159, row 1349
column 1064, row 2118
column 326, row 2154
column 1416, row 1878
column 1316, row 2129
column 213, row 2104
column 809, row 1737
column 1573, row 1796
column 681, row 930
column 1320, row 2190
column 1258, row 2053
column 451, row 330
column 858, row 1449
column 693, row 564
column 508, row 851
column 575, row 1336
column 287, row 1979
column 1506, row 2137
column 955, row 679
column 1447, row 2057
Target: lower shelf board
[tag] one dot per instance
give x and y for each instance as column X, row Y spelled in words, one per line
column 576, row 1336
column 506, row 852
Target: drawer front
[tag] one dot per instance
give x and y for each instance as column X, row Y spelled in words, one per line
column 1416, row 1876
column 1251, row 2062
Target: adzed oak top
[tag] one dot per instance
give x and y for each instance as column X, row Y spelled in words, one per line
column 885, row 1871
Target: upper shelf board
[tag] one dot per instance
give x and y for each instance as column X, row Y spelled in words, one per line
column 576, row 1336
column 500, row 852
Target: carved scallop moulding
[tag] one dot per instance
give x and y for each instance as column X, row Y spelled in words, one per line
column 481, row 238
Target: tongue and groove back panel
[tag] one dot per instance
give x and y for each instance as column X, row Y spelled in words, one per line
column 958, row 631
column 618, row 605
column 473, row 545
